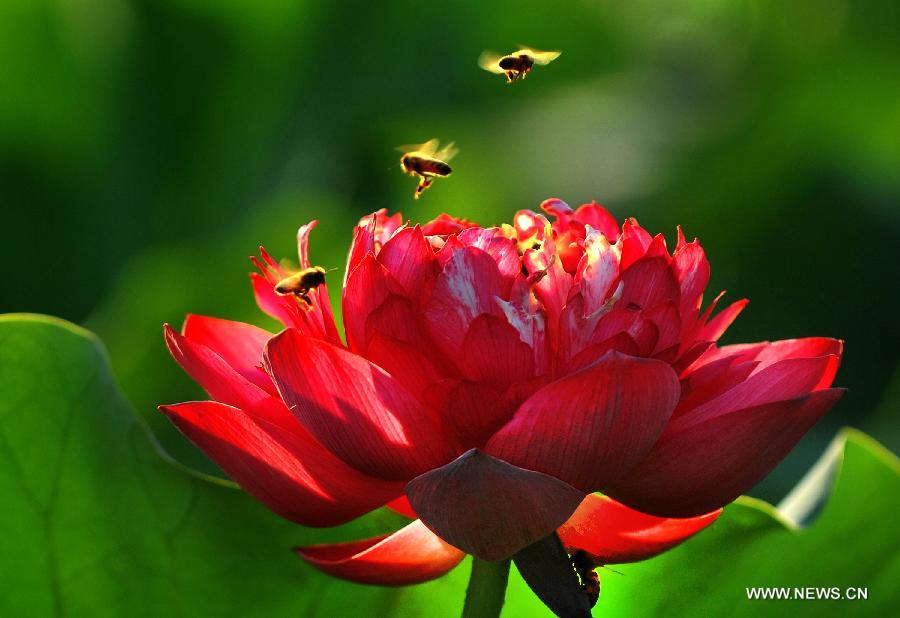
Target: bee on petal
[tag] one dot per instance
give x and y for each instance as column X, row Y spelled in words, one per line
column 427, row 161
column 301, row 283
column 517, row 64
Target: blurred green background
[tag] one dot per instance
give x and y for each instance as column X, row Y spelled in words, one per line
column 148, row 147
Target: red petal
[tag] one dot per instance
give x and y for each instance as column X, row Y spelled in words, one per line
column 465, row 289
column 488, row 507
column 703, row 372
column 657, row 248
column 558, row 208
column 635, row 241
column 575, row 329
column 784, row 380
column 366, row 289
column 446, row 224
column 711, row 381
column 528, row 224
column 570, row 249
column 612, row 533
column 620, row 320
column 373, row 231
column 410, row 260
column 723, row 368
column 622, row 342
column 690, row 354
column 355, row 409
column 529, row 323
column 402, row 506
column 493, row 352
column 667, row 320
column 303, row 243
column 319, row 314
column 280, row 465
column 240, row 345
column 705, row 466
column 647, row 283
column 592, row 426
column 809, row 347
column 414, row 369
column 472, row 410
column 411, row 555
column 362, row 245
column 553, row 284
column 691, row 269
column 445, row 251
column 281, row 308
column 719, row 324
column 741, row 352
column 597, row 271
column 598, row 217
column 397, row 317
column 499, row 247
column 681, row 241
column 221, row 381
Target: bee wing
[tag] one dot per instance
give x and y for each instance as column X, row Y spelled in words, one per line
column 428, row 148
column 447, row 152
column 289, row 266
column 490, row 61
column 540, row 57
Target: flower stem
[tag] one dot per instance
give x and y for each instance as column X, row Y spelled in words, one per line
column 487, row 588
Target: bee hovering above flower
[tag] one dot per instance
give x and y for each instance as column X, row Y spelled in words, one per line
column 427, row 162
column 517, row 64
column 301, row 283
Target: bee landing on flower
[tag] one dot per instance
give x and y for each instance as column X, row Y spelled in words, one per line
column 299, row 284
column 491, row 382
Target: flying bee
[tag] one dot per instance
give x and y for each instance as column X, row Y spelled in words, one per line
column 517, row 64
column 427, row 162
column 300, row 284
column 587, row 575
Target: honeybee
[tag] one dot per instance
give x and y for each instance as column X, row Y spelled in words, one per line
column 300, row 284
column 517, row 64
column 427, row 162
column 587, row 575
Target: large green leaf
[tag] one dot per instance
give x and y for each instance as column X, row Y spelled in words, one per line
column 96, row 521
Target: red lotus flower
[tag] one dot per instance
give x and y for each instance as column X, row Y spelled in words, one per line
column 496, row 378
